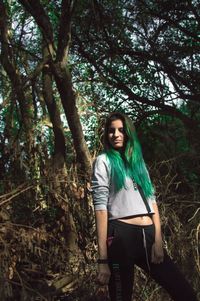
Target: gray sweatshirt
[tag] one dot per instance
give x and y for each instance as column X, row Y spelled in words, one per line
column 126, row 202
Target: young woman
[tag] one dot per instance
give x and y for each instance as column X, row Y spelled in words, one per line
column 127, row 217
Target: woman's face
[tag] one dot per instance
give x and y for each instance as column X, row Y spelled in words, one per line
column 116, row 136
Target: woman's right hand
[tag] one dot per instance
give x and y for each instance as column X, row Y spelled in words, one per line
column 103, row 274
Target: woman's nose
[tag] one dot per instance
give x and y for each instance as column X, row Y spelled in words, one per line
column 116, row 133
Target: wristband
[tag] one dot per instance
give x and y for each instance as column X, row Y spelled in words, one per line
column 102, row 261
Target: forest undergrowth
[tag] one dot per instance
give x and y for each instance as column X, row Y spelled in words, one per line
column 36, row 262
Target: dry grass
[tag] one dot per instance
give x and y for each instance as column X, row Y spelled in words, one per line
column 34, row 253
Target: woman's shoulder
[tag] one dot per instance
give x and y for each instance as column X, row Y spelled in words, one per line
column 101, row 159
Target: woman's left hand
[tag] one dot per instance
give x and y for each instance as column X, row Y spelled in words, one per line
column 157, row 253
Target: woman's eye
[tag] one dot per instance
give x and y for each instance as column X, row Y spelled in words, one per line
column 111, row 131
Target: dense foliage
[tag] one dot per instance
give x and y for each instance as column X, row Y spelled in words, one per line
column 64, row 65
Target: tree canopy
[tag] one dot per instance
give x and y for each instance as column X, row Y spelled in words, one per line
column 64, row 65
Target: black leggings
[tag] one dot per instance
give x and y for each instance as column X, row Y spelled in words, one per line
column 131, row 244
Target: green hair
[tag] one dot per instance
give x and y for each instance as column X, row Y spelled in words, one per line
column 128, row 162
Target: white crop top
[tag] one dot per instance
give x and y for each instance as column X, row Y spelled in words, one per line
column 126, row 202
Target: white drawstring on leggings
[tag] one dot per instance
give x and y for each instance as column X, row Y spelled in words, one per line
column 145, row 247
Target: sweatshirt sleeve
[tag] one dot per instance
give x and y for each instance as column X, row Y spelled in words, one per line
column 100, row 183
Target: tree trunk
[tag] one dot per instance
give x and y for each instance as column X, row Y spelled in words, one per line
column 7, row 60
column 54, row 114
column 61, row 72
column 68, row 98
